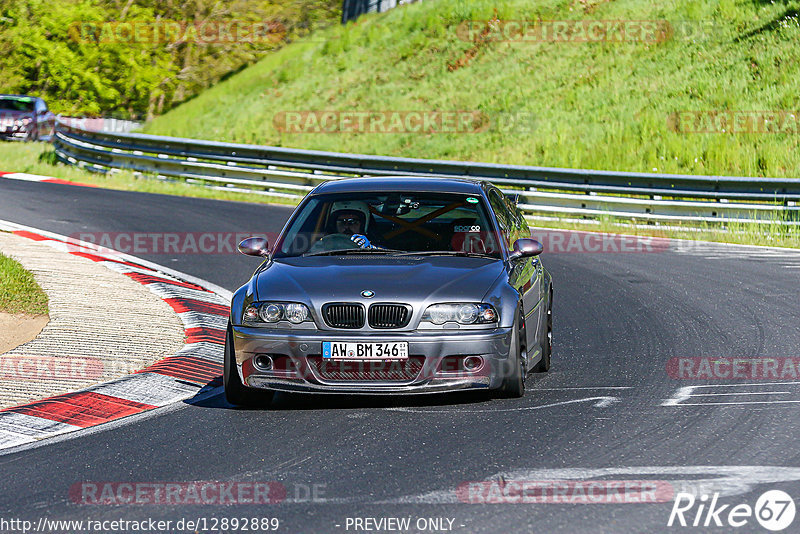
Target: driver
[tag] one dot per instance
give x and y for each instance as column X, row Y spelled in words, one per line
column 350, row 218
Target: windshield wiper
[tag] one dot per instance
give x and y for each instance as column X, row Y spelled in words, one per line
column 449, row 253
column 354, row 251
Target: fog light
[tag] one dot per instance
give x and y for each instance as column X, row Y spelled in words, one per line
column 473, row 363
column 262, row 362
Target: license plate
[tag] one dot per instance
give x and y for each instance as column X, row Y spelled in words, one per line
column 335, row 350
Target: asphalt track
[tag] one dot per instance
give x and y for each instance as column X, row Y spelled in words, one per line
column 618, row 319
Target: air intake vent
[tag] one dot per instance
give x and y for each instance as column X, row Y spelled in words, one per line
column 344, row 315
column 363, row 371
column 389, row 315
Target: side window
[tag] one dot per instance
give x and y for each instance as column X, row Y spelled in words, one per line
column 40, row 106
column 515, row 218
column 500, row 211
column 521, row 228
column 525, row 230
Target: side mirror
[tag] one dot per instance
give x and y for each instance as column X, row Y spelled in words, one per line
column 526, row 248
column 254, row 246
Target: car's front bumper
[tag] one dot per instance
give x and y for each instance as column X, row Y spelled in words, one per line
column 14, row 133
column 303, row 349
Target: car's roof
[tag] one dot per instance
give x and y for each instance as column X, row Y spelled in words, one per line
column 401, row 183
column 20, row 96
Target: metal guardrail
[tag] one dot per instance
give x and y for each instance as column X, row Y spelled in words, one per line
column 542, row 190
column 101, row 123
column 352, row 9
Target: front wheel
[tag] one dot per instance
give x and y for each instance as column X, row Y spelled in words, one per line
column 513, row 386
column 237, row 393
column 547, row 343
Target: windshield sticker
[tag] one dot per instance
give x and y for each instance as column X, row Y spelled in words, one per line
column 472, row 200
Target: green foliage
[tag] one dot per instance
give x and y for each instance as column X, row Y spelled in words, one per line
column 63, row 51
column 595, row 105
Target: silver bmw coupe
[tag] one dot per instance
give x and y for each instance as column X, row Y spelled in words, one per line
column 392, row 285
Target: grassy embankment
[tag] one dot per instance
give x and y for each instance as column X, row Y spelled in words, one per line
column 591, row 105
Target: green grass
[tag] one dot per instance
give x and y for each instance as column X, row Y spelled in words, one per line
column 19, row 292
column 593, row 105
column 39, row 158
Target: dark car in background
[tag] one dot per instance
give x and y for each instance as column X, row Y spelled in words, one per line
column 392, row 285
column 25, row 118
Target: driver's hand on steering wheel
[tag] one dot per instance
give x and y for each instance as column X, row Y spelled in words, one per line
column 361, row 240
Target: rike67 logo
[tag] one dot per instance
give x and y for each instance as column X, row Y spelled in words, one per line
column 774, row 510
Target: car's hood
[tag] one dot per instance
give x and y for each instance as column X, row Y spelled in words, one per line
column 410, row 280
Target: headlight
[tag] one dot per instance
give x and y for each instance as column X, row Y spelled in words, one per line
column 296, row 313
column 461, row 313
column 273, row 313
column 22, row 122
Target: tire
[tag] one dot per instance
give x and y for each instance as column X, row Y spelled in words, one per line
column 513, row 386
column 547, row 343
column 237, row 393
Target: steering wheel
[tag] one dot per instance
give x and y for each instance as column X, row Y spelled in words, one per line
column 333, row 242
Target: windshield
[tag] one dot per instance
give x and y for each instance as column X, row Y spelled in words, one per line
column 391, row 223
column 16, row 104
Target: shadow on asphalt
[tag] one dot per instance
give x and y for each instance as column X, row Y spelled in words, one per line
column 332, row 401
